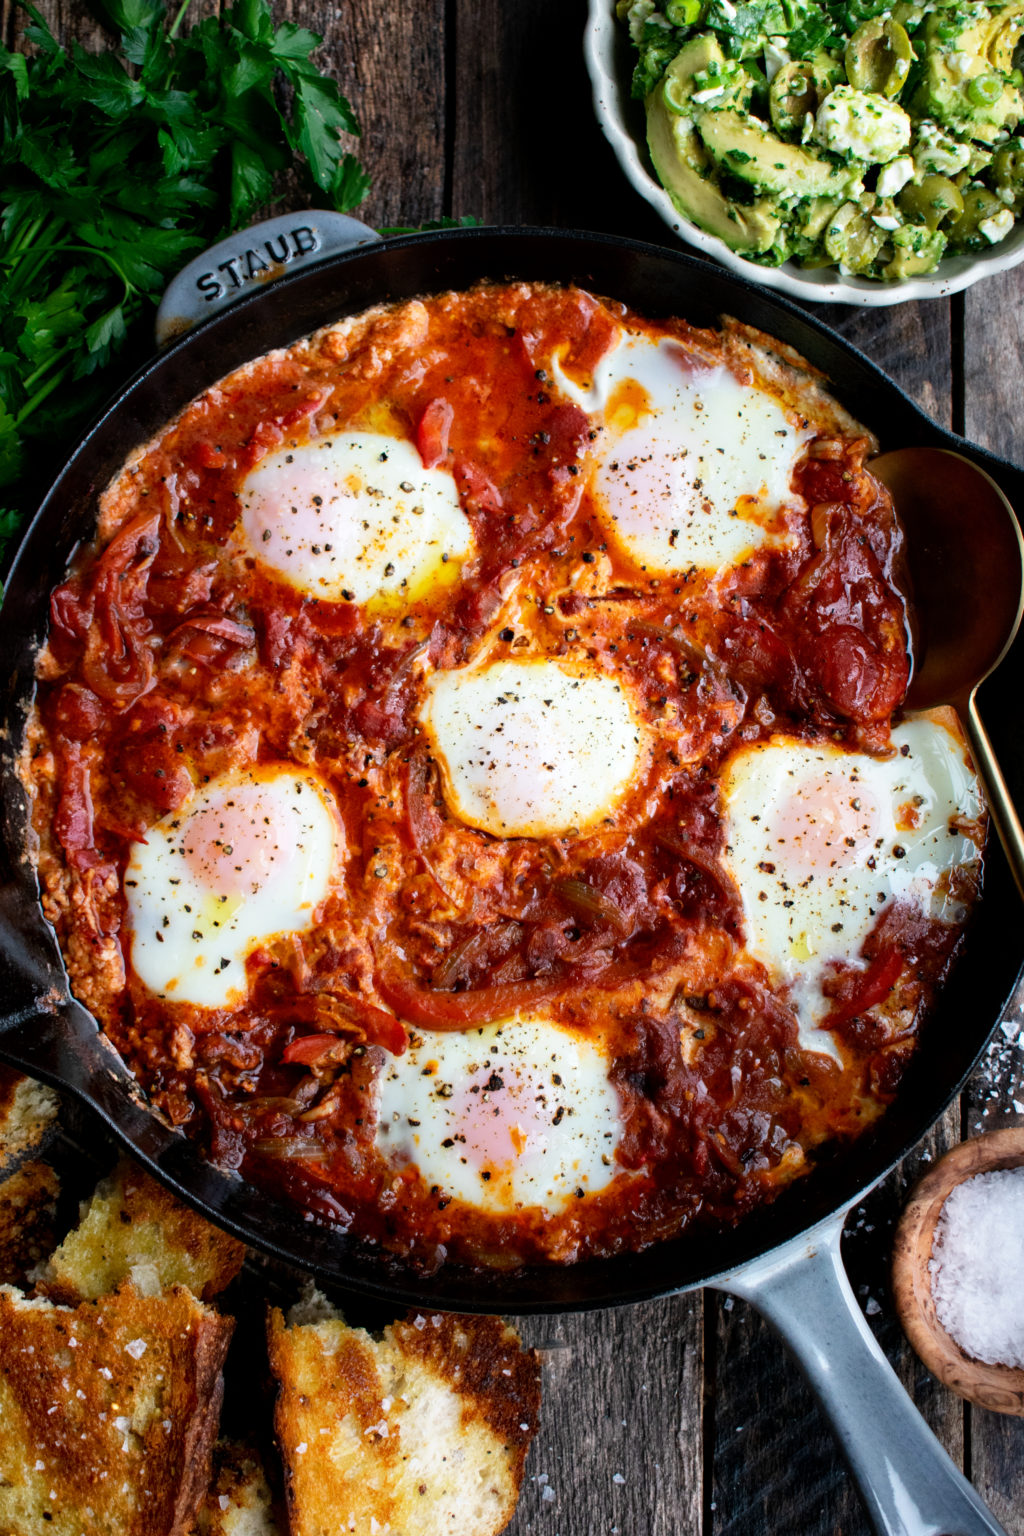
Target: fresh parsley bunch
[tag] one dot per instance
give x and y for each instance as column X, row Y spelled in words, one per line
column 115, row 168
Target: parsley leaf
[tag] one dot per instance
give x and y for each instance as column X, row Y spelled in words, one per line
column 116, row 167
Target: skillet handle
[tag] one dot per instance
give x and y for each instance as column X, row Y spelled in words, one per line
column 247, row 260
column 908, row 1483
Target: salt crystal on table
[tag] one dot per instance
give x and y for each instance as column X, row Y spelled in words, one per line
column 977, row 1266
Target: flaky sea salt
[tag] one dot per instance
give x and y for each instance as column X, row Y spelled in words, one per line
column 977, row 1266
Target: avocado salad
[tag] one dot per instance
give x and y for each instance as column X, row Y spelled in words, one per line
column 871, row 136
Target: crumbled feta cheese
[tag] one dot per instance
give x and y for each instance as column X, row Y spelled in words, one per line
column 639, row 14
column 892, row 178
column 997, row 227
column 862, row 124
column 713, row 93
column 936, row 152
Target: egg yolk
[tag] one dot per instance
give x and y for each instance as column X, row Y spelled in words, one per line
column 234, row 848
column 822, row 825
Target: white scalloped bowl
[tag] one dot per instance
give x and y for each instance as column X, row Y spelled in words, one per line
column 609, row 62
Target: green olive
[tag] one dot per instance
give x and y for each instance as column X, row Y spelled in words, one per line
column 930, row 201
column 1008, row 170
column 878, row 57
column 979, row 204
column 792, row 95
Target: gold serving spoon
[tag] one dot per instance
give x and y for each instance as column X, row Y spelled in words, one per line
column 966, row 561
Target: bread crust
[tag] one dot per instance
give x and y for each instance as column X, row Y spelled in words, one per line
column 422, row 1433
column 110, row 1410
column 132, row 1222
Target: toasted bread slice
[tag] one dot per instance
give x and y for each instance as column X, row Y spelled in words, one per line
column 28, row 1208
column 133, row 1226
column 422, row 1434
column 109, row 1413
column 28, row 1113
column 239, row 1501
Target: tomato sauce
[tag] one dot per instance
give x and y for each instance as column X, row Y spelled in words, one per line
column 175, row 656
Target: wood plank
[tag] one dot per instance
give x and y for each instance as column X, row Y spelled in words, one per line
column 619, row 1449
column 994, row 364
column 912, row 342
column 526, row 146
column 389, row 61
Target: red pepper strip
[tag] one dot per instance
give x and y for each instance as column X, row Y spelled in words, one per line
column 220, row 626
column 432, row 432
column 73, row 821
column 308, row 1049
column 465, row 1010
column 380, row 1028
column 346, row 1014
column 879, row 980
column 482, row 1005
column 118, row 665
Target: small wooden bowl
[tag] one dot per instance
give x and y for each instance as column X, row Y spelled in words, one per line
column 999, row 1387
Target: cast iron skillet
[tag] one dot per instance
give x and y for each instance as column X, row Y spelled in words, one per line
column 47, row 1033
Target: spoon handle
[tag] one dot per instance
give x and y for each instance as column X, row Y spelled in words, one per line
column 1001, row 807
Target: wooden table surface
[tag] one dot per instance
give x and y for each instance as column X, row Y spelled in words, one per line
column 683, row 1416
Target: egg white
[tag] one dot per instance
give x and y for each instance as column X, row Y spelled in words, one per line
column 250, row 856
column 532, row 748
column 355, row 517
column 691, row 468
column 820, row 840
column 509, row 1116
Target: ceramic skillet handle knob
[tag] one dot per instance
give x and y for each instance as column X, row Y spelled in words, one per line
column 251, row 258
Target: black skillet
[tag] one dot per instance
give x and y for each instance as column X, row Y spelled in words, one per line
column 791, row 1248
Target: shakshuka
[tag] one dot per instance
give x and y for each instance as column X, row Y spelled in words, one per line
column 470, row 779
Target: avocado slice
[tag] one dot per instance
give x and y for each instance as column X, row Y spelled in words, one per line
column 996, row 37
column 700, row 53
column 916, row 251
column 683, row 170
column 962, row 83
column 743, row 146
column 813, row 215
